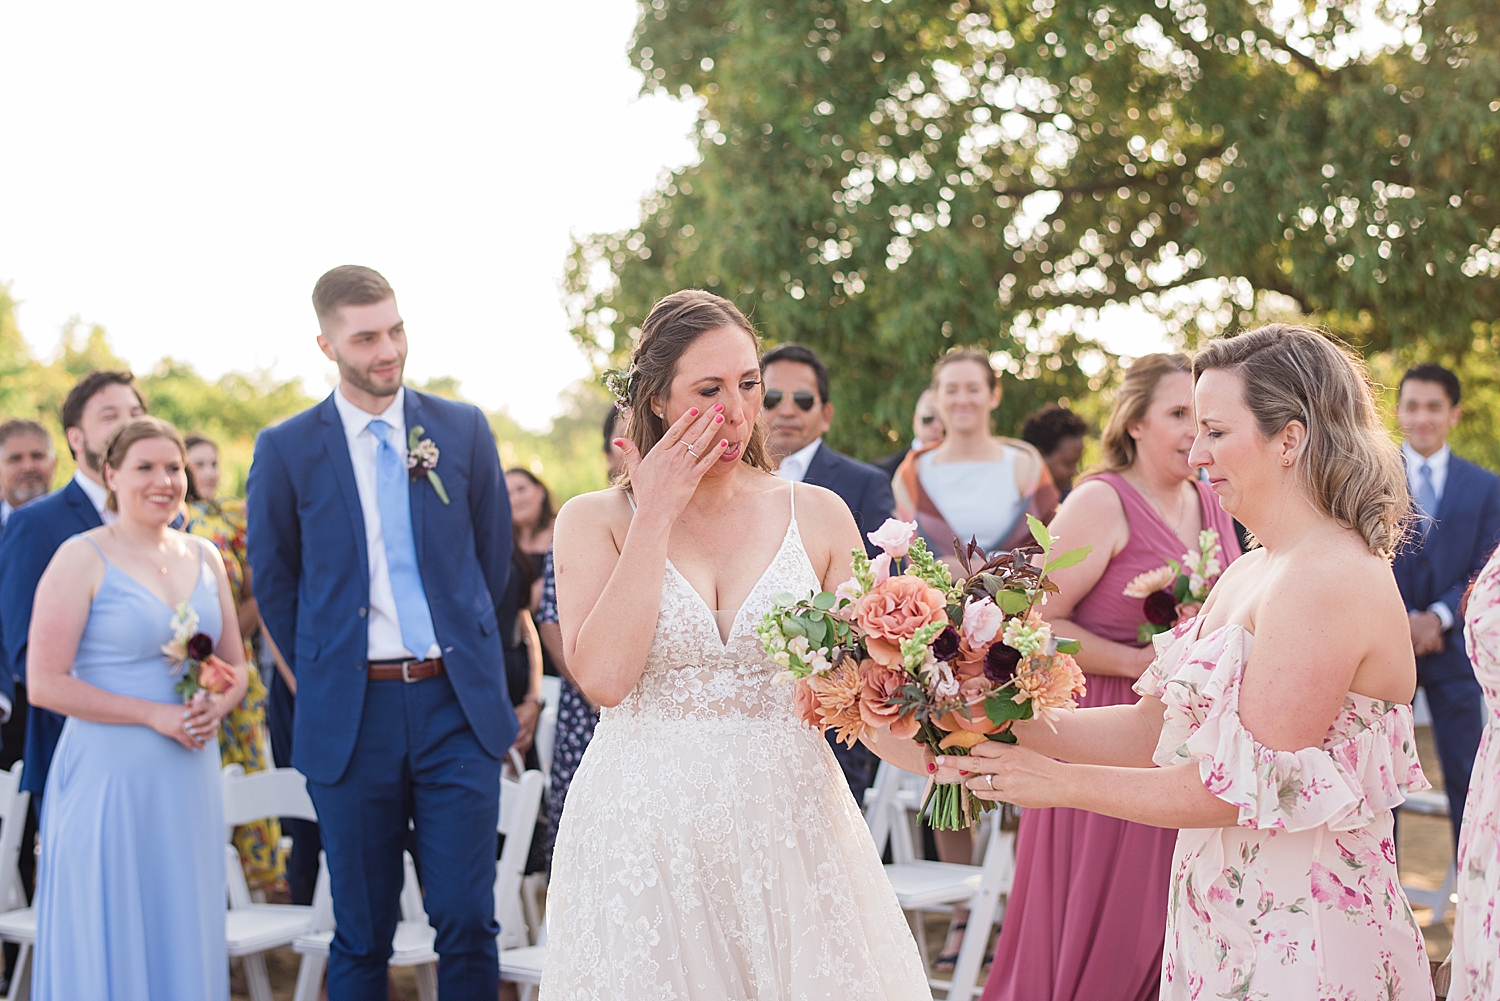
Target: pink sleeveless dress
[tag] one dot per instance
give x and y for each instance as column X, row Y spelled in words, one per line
column 1087, row 916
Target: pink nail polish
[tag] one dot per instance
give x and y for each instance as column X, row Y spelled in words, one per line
column 693, row 412
column 719, row 419
column 718, row 406
column 931, row 768
column 962, row 772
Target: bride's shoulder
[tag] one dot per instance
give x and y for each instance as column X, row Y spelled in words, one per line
column 601, row 509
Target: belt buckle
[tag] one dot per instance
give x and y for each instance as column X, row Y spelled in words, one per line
column 406, row 671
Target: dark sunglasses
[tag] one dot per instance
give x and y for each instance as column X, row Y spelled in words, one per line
column 927, row 419
column 801, row 397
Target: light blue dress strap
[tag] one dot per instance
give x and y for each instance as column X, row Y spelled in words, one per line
column 91, row 542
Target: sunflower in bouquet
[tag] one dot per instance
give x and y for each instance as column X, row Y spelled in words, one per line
column 948, row 663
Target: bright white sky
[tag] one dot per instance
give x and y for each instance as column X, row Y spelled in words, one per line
column 182, row 173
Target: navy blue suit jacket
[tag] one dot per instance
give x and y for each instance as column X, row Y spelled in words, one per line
column 307, row 549
column 32, row 536
column 864, row 488
column 1441, row 566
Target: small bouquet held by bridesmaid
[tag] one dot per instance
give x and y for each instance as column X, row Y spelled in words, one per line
column 1176, row 591
column 192, row 653
column 948, row 663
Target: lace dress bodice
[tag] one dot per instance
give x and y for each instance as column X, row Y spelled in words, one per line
column 692, row 675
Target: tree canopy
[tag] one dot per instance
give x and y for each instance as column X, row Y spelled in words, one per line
column 882, row 180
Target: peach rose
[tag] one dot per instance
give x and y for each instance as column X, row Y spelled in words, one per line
column 898, row 607
column 805, row 704
column 215, row 675
column 880, row 684
column 970, row 661
column 883, row 653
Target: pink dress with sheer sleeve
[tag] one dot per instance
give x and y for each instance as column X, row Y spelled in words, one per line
column 1301, row 898
column 1087, row 914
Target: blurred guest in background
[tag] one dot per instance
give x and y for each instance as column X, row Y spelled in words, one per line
column 100, row 402
column 1087, row 915
column 532, row 514
column 1058, row 434
column 926, row 430
column 27, row 464
column 972, row 484
column 243, row 739
column 799, row 413
column 1457, row 525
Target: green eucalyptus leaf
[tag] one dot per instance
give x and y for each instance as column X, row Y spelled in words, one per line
column 824, row 600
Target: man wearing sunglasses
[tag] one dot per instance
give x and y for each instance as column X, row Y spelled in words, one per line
column 798, row 413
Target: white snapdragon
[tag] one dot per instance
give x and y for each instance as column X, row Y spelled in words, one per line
column 1027, row 637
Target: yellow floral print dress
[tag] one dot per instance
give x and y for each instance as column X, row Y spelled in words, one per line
column 243, row 738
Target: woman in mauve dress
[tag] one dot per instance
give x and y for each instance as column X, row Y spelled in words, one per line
column 1087, row 915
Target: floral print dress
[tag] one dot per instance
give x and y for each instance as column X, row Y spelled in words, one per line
column 1301, row 899
column 1476, row 930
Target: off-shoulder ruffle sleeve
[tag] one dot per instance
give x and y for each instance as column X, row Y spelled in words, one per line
column 1358, row 773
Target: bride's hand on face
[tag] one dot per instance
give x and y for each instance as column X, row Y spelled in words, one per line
column 664, row 479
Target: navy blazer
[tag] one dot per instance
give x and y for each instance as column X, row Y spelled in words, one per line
column 32, row 535
column 308, row 554
column 1441, row 566
column 865, row 489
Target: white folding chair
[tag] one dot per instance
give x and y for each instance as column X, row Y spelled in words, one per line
column 253, row 928
column 415, row 940
column 546, row 727
column 923, row 885
column 18, row 922
column 1432, row 804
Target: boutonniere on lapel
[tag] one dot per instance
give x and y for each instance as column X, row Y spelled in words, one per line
column 422, row 460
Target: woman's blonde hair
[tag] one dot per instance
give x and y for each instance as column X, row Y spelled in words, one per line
column 674, row 323
column 1349, row 468
column 956, row 354
column 138, row 429
column 1131, row 403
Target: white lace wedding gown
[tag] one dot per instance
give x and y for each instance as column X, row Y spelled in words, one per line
column 709, row 848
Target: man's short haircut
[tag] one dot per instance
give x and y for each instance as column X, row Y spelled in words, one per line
column 803, row 355
column 19, row 426
column 1437, row 374
column 1047, row 426
column 86, row 388
column 349, row 285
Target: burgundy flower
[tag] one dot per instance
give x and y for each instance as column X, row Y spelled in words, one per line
column 200, row 647
column 1000, row 663
column 945, row 644
column 1160, row 608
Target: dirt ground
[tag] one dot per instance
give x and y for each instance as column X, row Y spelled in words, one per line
column 1424, row 850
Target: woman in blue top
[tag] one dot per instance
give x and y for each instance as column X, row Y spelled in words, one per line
column 130, row 883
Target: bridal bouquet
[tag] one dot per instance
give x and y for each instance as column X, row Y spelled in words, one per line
column 1175, row 592
column 192, row 653
column 948, row 663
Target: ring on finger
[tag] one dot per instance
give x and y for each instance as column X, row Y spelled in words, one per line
column 989, row 782
column 690, row 450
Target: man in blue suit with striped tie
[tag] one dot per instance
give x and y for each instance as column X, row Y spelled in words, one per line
column 379, row 536
column 1457, row 526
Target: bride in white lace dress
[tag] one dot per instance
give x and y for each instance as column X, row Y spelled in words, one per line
column 709, row 847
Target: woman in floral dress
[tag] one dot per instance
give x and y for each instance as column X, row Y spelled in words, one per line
column 1274, row 730
column 243, row 739
column 1475, row 960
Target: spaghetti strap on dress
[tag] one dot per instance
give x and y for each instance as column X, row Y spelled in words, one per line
column 130, row 882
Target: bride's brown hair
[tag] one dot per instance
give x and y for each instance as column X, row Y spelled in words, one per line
column 1349, row 469
column 675, row 322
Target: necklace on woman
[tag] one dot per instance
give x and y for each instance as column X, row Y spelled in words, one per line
column 114, row 536
column 1161, row 508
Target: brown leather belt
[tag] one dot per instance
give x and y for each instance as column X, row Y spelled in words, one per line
column 405, row 670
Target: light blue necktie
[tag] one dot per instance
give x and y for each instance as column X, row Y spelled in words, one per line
column 1426, row 495
column 393, row 496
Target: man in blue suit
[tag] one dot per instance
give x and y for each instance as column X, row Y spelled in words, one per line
column 799, row 413
column 100, row 402
column 1458, row 524
column 379, row 536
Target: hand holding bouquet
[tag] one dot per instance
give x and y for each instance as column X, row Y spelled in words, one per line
column 192, row 653
column 1176, row 591
column 948, row 663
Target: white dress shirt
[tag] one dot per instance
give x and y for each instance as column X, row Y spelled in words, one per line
column 97, row 495
column 5, row 512
column 384, row 629
column 794, row 466
column 1437, row 464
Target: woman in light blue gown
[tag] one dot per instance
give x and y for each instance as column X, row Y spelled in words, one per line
column 130, row 883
